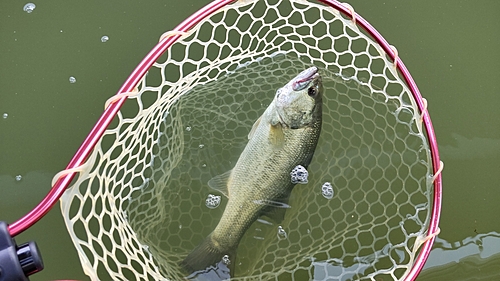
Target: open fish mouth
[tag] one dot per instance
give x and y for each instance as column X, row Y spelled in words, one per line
column 303, row 79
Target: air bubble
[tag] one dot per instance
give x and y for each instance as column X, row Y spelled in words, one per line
column 72, row 79
column 213, row 201
column 104, row 39
column 226, row 260
column 281, row 233
column 28, row 8
column 327, row 190
column 5, row 115
column 19, row 178
column 299, row 174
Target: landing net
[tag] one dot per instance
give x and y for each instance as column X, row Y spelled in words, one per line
column 140, row 204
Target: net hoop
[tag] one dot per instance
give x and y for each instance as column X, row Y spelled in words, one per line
column 139, row 72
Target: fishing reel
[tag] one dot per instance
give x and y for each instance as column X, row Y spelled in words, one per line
column 17, row 262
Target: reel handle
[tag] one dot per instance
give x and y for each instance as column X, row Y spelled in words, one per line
column 17, row 262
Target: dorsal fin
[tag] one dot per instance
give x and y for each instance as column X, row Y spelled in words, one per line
column 254, row 128
column 221, row 183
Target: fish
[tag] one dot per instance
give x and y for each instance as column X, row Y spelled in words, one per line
column 283, row 137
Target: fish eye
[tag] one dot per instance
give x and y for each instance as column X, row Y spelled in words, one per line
column 311, row 91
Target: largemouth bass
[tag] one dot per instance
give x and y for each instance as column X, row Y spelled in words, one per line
column 284, row 137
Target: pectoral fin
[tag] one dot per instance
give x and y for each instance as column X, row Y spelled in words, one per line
column 220, row 183
column 276, row 136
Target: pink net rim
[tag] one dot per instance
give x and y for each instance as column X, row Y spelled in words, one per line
column 436, row 162
column 135, row 77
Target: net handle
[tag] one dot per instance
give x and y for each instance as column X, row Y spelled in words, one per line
column 98, row 130
column 102, row 124
column 422, row 105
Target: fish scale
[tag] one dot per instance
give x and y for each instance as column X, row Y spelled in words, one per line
column 284, row 137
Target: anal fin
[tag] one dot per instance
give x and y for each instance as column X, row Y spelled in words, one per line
column 275, row 209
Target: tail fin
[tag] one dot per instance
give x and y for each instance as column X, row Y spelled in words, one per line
column 209, row 262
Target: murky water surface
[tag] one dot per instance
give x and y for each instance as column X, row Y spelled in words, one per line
column 60, row 61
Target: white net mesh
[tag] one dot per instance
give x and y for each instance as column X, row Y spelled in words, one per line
column 140, row 207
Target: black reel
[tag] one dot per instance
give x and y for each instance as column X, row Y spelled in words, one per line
column 17, row 262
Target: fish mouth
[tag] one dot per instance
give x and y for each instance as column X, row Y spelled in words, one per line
column 302, row 80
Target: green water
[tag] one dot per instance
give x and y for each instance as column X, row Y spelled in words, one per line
column 450, row 47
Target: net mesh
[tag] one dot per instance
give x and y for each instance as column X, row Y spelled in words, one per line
column 140, row 205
